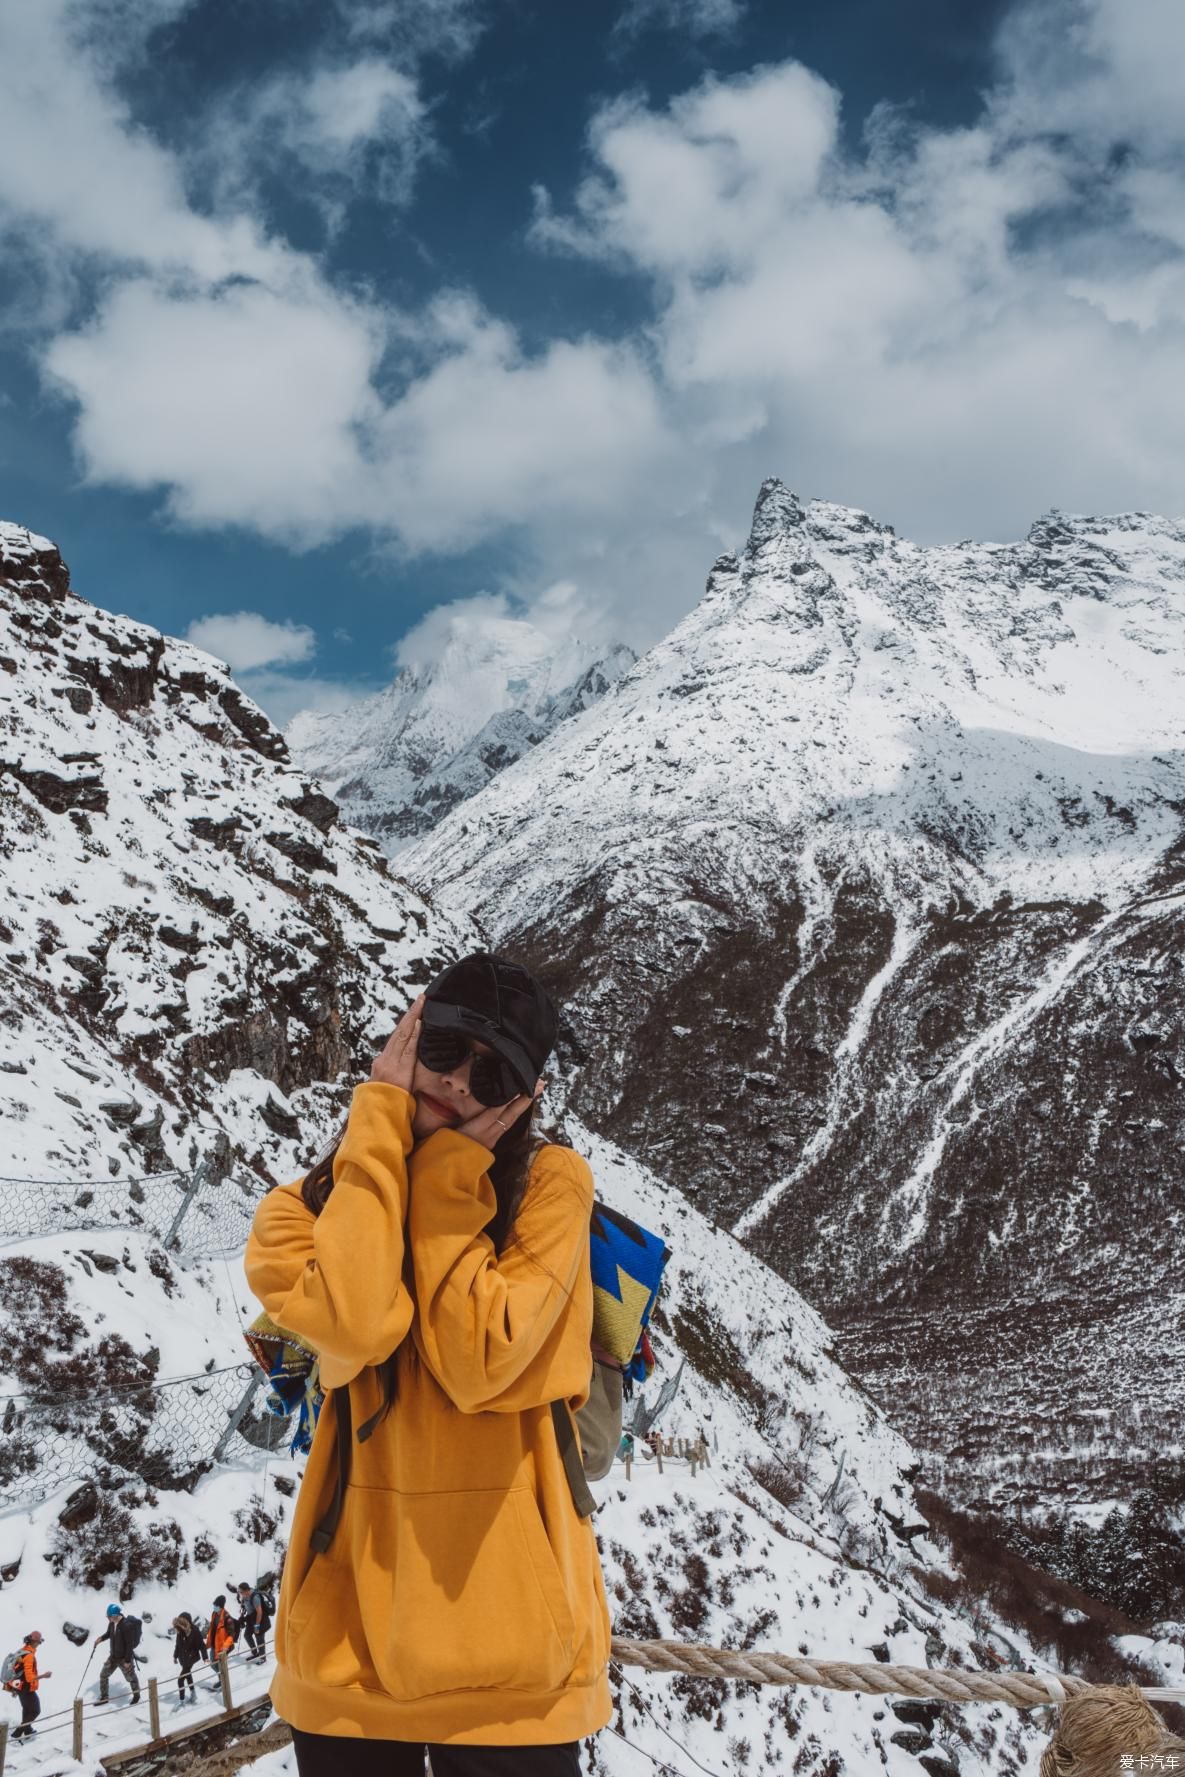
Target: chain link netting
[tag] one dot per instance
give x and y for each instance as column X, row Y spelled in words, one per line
column 163, row 1433
column 217, row 1219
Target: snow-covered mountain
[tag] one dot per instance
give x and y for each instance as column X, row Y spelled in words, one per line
column 196, row 959
column 490, row 691
column 802, row 1534
column 195, row 954
column 866, row 892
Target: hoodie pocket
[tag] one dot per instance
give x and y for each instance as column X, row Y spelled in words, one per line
column 477, row 1601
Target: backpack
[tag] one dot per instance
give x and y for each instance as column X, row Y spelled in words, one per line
column 11, row 1675
column 269, row 1605
column 627, row 1266
column 132, row 1631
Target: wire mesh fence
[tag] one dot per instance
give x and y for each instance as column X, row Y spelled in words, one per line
column 165, row 1434
column 216, row 1216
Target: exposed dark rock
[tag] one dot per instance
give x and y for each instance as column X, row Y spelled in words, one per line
column 917, row 1713
column 121, row 1110
column 253, row 725
column 189, row 942
column 279, row 1120
column 911, row 1740
column 126, row 678
column 59, row 794
column 103, row 1261
column 317, row 808
column 75, row 1633
column 301, row 852
column 221, row 834
column 81, row 1505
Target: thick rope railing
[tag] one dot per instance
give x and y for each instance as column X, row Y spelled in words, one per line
column 1024, row 1690
column 1094, row 1722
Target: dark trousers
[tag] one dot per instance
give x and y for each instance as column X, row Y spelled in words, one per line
column 333, row 1755
column 256, row 1634
column 30, row 1710
column 186, row 1677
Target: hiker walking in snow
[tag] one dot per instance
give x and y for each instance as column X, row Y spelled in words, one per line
column 441, row 1588
column 25, row 1681
column 255, row 1619
column 224, row 1629
column 188, row 1649
column 124, row 1635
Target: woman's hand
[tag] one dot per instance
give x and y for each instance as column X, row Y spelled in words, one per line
column 396, row 1066
column 491, row 1124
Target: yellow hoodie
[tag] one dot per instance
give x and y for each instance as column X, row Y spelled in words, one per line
column 461, row 1598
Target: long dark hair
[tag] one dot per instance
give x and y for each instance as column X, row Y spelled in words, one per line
column 513, row 1154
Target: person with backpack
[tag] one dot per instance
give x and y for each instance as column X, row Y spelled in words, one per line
column 442, row 1589
column 22, row 1678
column 223, row 1631
column 123, row 1633
column 256, row 1618
column 188, row 1649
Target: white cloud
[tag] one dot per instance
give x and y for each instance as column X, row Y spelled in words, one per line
column 446, row 28
column 955, row 328
column 244, row 402
column 334, row 129
column 72, row 161
column 247, row 641
column 284, row 695
column 699, row 18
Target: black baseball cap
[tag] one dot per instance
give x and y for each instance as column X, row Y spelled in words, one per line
column 500, row 1003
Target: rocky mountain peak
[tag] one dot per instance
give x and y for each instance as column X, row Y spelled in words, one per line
column 487, row 689
column 867, row 870
column 186, row 929
column 31, row 566
column 777, row 510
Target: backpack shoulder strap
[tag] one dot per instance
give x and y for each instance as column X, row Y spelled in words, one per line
column 565, row 1437
column 324, row 1533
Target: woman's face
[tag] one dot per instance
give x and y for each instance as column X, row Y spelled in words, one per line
column 444, row 1100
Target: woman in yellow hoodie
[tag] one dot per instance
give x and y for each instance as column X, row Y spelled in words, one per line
column 446, row 1595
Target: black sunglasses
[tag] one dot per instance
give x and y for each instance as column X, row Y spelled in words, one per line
column 491, row 1080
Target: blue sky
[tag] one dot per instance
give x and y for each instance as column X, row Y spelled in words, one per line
column 317, row 314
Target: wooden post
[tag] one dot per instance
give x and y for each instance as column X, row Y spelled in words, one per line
column 693, row 1468
column 228, row 1701
column 658, row 1454
column 77, row 1750
column 629, row 1463
column 3, row 1745
column 153, row 1709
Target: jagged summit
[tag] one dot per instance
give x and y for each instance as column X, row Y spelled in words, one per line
column 194, row 952
column 398, row 761
column 873, row 870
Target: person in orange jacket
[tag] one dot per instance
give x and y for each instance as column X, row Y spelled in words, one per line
column 223, row 1630
column 445, row 1593
column 30, row 1680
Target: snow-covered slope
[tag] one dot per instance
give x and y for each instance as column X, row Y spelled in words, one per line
column 196, row 958
column 865, row 889
column 193, row 949
column 802, row 1534
column 493, row 689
